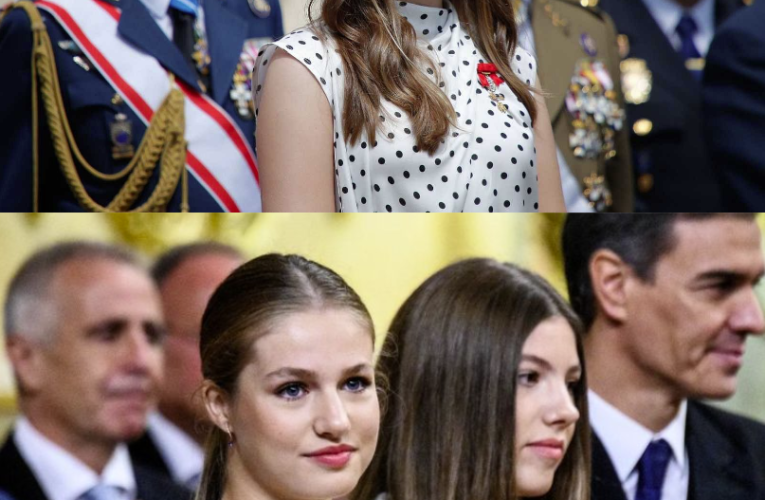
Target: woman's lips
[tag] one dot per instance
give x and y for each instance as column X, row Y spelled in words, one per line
column 548, row 448
column 334, row 457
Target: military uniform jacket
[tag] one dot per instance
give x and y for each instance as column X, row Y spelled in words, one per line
column 673, row 169
column 92, row 106
column 563, row 30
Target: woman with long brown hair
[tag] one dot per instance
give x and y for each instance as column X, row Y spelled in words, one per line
column 385, row 105
column 287, row 352
column 485, row 367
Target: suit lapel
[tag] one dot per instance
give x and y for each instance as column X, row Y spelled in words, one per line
column 138, row 27
column 226, row 33
column 605, row 481
column 548, row 39
column 716, row 469
column 723, row 9
column 15, row 475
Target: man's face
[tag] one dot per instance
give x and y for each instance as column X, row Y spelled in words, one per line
column 97, row 378
column 686, row 329
column 185, row 293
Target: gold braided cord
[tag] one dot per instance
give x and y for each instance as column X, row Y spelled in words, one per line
column 163, row 143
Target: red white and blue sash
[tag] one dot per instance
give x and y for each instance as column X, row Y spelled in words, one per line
column 218, row 155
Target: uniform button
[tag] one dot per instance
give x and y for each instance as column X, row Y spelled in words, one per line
column 643, row 126
column 645, row 183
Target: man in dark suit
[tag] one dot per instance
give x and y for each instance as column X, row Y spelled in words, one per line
column 84, row 333
column 114, row 89
column 664, row 43
column 667, row 302
column 186, row 277
column 734, row 83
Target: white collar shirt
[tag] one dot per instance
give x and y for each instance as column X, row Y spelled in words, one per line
column 159, row 12
column 667, row 14
column 183, row 456
column 64, row 477
column 625, row 441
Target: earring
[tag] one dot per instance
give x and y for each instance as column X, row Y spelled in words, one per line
column 230, row 438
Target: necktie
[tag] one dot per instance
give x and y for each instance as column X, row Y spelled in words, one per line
column 102, row 492
column 652, row 468
column 183, row 13
column 685, row 29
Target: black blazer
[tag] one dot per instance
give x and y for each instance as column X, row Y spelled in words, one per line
column 735, row 111
column 674, row 153
column 726, row 455
column 144, row 452
column 17, row 479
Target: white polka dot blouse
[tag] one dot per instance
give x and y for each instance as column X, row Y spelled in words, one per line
column 486, row 164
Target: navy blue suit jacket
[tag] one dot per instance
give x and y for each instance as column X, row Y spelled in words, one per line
column 726, row 453
column 88, row 96
column 734, row 100
column 674, row 153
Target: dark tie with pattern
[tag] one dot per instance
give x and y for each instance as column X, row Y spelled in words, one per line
column 183, row 37
column 652, row 468
column 685, row 29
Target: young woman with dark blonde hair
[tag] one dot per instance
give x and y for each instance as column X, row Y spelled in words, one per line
column 287, row 357
column 487, row 392
column 385, row 105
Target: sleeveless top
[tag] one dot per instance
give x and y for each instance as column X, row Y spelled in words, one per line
column 486, row 164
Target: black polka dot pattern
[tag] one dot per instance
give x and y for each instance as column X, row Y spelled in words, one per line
column 485, row 164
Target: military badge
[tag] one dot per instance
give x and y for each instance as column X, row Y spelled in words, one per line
column 597, row 116
column 588, row 45
column 201, row 54
column 241, row 89
column 637, row 80
column 121, row 132
column 260, row 8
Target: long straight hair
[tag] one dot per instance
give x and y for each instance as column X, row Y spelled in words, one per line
column 451, row 358
column 382, row 61
column 244, row 308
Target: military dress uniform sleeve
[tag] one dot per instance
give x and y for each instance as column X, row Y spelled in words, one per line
column 16, row 110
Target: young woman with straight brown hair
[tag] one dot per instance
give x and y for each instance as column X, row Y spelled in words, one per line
column 287, row 352
column 487, row 382
column 385, row 105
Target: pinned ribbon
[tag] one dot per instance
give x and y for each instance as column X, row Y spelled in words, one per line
column 490, row 70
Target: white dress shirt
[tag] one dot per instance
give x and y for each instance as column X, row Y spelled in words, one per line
column 625, row 441
column 64, row 477
column 183, row 456
column 667, row 14
column 572, row 192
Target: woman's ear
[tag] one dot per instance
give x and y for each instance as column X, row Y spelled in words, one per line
column 218, row 405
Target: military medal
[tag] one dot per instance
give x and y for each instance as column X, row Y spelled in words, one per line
column 260, row 8
column 588, row 44
column 122, row 136
column 241, row 90
column 637, row 80
column 489, row 78
column 596, row 192
column 201, row 54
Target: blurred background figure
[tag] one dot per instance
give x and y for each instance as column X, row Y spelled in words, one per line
column 578, row 61
column 666, row 327
column 664, row 43
column 134, row 76
column 84, row 334
column 186, row 276
column 734, row 120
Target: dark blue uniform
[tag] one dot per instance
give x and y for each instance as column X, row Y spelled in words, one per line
column 671, row 162
column 734, row 84
column 91, row 106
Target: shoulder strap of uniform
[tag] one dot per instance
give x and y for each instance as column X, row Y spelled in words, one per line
column 163, row 144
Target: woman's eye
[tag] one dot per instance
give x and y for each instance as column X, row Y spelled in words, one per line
column 528, row 378
column 573, row 386
column 356, row 384
column 292, row 391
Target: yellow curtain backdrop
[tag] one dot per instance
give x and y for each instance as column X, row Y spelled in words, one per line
column 383, row 257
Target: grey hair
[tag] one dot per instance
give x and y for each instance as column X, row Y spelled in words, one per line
column 29, row 312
